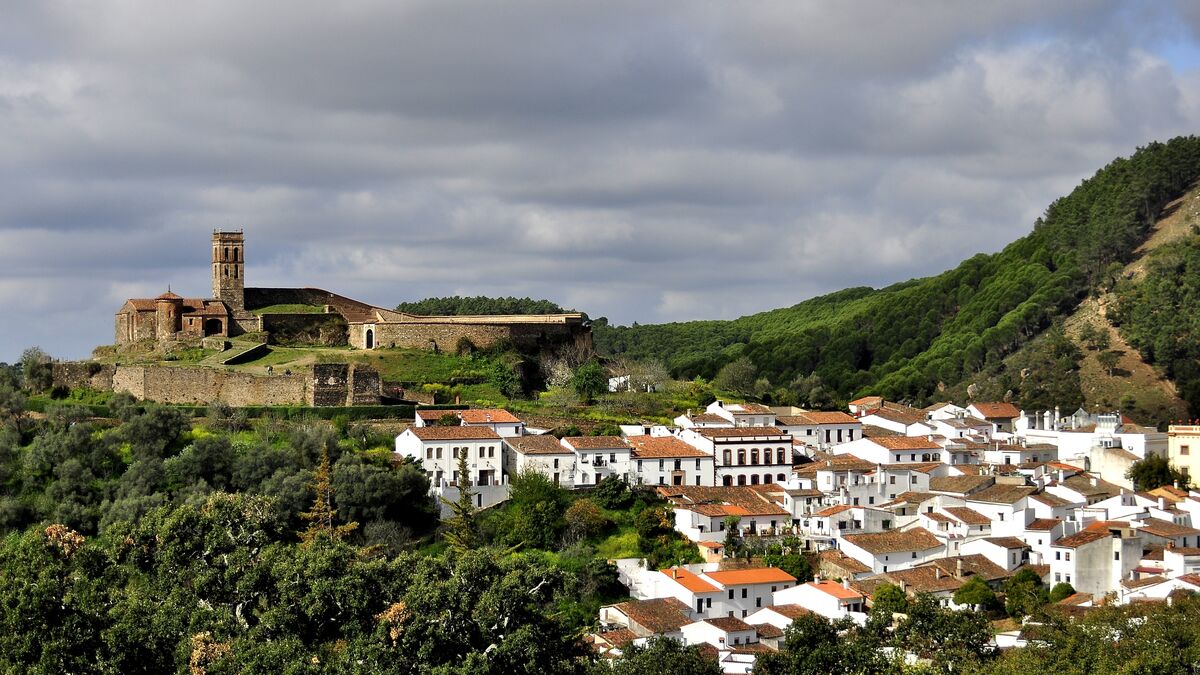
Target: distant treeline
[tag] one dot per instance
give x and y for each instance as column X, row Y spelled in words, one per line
column 457, row 305
column 913, row 340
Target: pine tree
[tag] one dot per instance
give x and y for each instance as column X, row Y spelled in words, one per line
column 322, row 517
column 462, row 530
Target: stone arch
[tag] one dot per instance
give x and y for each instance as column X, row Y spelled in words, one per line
column 369, row 340
column 213, row 327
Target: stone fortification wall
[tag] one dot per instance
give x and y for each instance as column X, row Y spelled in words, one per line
column 305, row 330
column 166, row 384
column 338, row 384
column 331, row 383
column 446, row 336
column 84, row 375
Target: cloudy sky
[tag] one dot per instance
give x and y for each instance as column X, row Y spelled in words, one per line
column 644, row 161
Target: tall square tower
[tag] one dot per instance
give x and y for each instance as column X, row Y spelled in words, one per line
column 228, row 269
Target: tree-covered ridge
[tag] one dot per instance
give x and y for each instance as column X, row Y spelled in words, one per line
column 909, row 340
column 1159, row 315
column 457, row 305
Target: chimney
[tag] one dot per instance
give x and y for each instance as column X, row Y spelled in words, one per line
column 1162, row 503
column 1094, row 481
column 937, row 572
column 674, row 572
column 958, row 568
column 903, row 587
column 846, row 583
column 817, row 578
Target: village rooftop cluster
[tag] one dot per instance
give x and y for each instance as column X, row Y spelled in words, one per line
column 925, row 499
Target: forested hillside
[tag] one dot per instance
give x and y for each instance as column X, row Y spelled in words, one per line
column 455, row 305
column 912, row 340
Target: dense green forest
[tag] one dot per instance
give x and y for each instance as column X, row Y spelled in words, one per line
column 455, row 305
column 911, row 340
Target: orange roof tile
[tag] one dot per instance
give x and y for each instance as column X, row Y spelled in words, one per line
column 836, row 590
column 760, row 575
column 454, row 433
column 663, row 446
column 688, row 580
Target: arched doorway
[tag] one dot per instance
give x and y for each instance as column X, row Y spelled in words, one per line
column 370, row 341
column 213, row 327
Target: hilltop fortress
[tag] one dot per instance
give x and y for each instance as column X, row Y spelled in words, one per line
column 311, row 316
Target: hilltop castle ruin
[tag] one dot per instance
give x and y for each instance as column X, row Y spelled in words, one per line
column 328, row 320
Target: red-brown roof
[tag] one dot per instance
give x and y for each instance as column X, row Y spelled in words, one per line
column 895, row 541
column 741, row 432
column 454, row 433
column 1043, row 524
column 597, row 442
column 729, row 624
column 906, row 443
column 817, row 417
column 661, row 615
column 791, row 610
column 647, row 447
column 488, row 416
column 760, row 575
column 968, row 516
column 688, row 580
column 543, row 444
column 836, row 590
column 993, row 411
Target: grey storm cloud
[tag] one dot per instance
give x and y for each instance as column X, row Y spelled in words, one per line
column 642, row 161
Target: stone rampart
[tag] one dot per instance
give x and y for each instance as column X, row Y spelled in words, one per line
column 201, row 386
column 83, row 375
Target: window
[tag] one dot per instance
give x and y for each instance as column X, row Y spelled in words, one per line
column 758, row 602
column 556, row 463
column 708, row 603
column 731, row 594
column 745, row 592
column 891, row 480
column 839, row 435
column 741, row 456
column 612, row 456
column 1116, row 555
column 437, row 453
column 428, row 453
column 914, row 555
column 826, row 435
column 754, row 456
column 781, row 456
column 1068, row 559
column 660, row 464
column 767, row 456
column 1058, row 555
column 754, row 479
column 1057, row 577
column 767, row 478
column 726, row 458
column 1183, row 450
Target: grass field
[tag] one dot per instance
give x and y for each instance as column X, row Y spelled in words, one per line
column 289, row 309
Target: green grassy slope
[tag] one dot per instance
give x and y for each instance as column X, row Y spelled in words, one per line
column 913, row 339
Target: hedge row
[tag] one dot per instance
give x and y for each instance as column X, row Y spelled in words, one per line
column 358, row 412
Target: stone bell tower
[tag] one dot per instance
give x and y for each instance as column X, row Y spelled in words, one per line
column 228, row 269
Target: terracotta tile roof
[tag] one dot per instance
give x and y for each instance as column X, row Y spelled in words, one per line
column 1076, row 599
column 543, row 444
column 1165, row 528
column 729, row 624
column 653, row 447
column 834, row 463
column 454, row 433
column 768, row 631
column 488, row 416
column 661, row 615
column 895, row 541
column 1001, row 494
column 1082, row 538
column 1143, row 582
column 833, row 510
column 972, row 565
column 868, row 400
column 905, row 418
column 836, row 558
column 961, row 485
column 749, row 409
column 872, row 431
column 925, row 580
column 1083, row 485
column 743, row 432
column 815, row 417
column 910, row 497
column 688, row 580
column 968, row 516
column 618, row 638
column 708, row 418
column 1043, row 524
column 1050, row 499
column 994, row 411
column 597, row 442
column 906, row 443
column 836, row 590
column 759, row 575
column 791, row 610
column 1007, row 542
column 719, row 499
column 938, row 517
